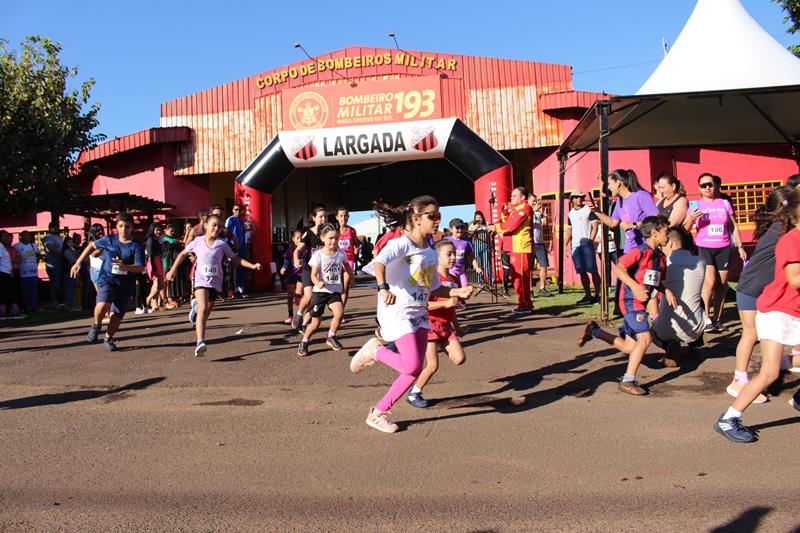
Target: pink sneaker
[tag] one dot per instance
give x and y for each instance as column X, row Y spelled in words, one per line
column 365, row 356
column 380, row 422
column 288, row 320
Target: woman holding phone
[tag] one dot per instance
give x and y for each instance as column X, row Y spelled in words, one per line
column 712, row 217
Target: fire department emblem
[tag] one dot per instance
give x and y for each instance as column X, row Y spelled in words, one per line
column 303, row 147
column 423, row 139
column 308, row 111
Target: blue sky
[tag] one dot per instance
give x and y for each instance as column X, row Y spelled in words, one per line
column 144, row 53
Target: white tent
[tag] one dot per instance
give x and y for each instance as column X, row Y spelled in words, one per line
column 721, row 47
column 369, row 228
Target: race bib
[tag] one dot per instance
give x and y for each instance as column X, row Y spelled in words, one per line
column 344, row 243
column 331, row 277
column 418, row 299
column 210, row 270
column 716, row 230
column 118, row 270
column 652, row 278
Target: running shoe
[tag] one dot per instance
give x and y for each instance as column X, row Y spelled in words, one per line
column 632, row 388
column 586, row 336
column 193, row 312
column 200, row 349
column 416, row 399
column 287, row 320
column 709, row 327
column 296, row 321
column 139, row 311
column 365, row 356
column 794, row 401
column 735, row 388
column 94, row 331
column 109, row 345
column 719, row 326
column 586, row 300
column 522, row 311
column 595, row 300
column 505, row 295
column 733, row 429
column 544, row 292
column 380, row 422
column 302, row 350
column 334, row 343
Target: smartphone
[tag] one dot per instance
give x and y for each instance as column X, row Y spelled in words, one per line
column 693, row 206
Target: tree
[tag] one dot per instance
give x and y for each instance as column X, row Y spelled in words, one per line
column 792, row 9
column 43, row 128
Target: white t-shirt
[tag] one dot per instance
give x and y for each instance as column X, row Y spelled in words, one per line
column 5, row 260
column 330, row 270
column 28, row 259
column 580, row 220
column 411, row 275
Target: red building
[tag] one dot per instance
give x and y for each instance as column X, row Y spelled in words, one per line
column 523, row 109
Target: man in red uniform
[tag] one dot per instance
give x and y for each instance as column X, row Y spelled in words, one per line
column 516, row 223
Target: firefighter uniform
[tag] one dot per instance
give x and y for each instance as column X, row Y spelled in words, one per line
column 516, row 224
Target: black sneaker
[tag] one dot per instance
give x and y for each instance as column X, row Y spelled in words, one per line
column 94, row 331
column 302, row 350
column 416, row 399
column 109, row 345
column 586, row 300
column 733, row 429
column 794, row 401
column 544, row 292
column 296, row 321
column 334, row 343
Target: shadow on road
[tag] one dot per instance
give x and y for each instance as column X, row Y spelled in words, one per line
column 75, row 396
column 748, row 521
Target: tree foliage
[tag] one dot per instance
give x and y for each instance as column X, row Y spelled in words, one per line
column 792, row 10
column 43, row 127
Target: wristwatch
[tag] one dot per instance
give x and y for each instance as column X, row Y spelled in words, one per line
column 382, row 286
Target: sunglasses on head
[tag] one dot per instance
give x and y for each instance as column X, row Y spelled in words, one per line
column 706, row 185
column 432, row 215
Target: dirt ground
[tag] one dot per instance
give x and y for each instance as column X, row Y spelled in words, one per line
column 531, row 434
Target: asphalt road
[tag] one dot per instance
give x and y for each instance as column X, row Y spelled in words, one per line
column 530, row 434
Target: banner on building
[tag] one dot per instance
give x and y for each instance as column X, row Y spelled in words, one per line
column 399, row 141
column 361, row 104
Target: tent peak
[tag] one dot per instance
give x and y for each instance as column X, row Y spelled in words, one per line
column 721, row 47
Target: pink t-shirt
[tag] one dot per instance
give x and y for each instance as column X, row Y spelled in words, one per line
column 712, row 227
column 208, row 266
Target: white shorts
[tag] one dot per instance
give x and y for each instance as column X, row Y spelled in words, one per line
column 778, row 327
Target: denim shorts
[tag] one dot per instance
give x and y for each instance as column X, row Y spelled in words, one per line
column 117, row 295
column 583, row 257
column 745, row 302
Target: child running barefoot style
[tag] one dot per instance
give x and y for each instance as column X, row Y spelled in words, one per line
column 294, row 287
column 642, row 272
column 210, row 250
column 406, row 273
column 328, row 267
column 777, row 325
column 444, row 324
column 123, row 258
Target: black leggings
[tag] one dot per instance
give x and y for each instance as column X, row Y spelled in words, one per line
column 8, row 291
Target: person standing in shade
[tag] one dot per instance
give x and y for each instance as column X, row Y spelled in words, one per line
column 582, row 226
column 235, row 226
column 539, row 247
column 516, row 223
column 28, row 269
column 672, row 198
column 54, row 261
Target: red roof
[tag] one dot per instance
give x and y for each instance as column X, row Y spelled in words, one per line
column 137, row 140
column 569, row 99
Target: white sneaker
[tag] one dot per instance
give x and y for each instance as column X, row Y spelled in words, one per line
column 200, row 349
column 365, row 356
column 735, row 388
column 139, row 311
column 380, row 422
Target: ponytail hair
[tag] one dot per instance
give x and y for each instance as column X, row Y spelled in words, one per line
column 779, row 207
column 672, row 180
column 628, row 178
column 400, row 216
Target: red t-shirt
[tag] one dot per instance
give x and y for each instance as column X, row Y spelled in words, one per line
column 444, row 314
column 648, row 268
column 388, row 236
column 347, row 243
column 778, row 295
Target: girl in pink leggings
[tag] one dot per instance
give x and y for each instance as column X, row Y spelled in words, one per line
column 406, row 273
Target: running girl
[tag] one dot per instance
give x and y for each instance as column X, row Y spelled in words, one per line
column 777, row 324
column 444, row 324
column 210, row 250
column 310, row 243
column 406, row 273
column 123, row 259
column 348, row 240
column 292, row 275
column 328, row 268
